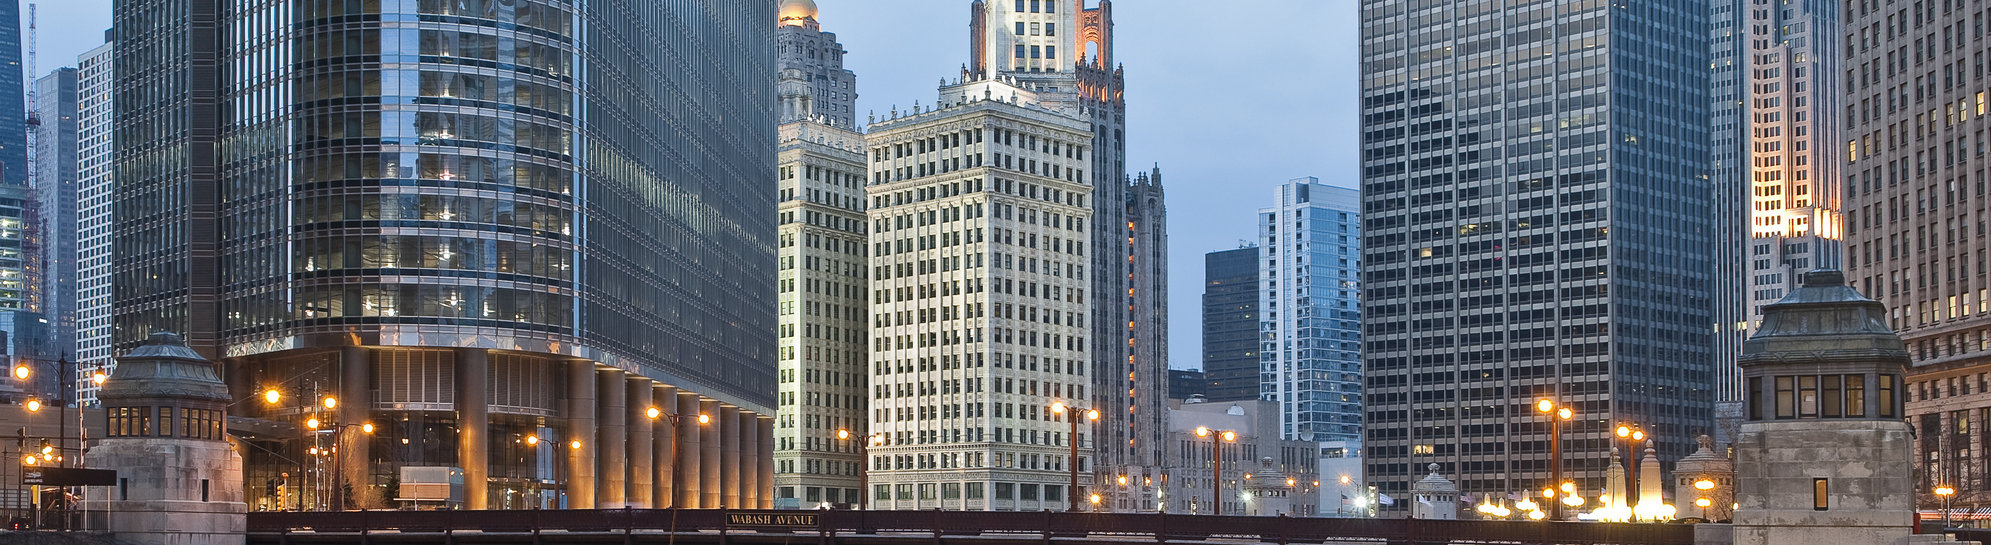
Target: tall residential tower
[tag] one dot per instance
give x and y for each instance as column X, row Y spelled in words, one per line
column 1535, row 200
column 93, row 219
column 1310, row 337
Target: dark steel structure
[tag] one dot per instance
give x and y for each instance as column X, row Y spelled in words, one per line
column 702, row 526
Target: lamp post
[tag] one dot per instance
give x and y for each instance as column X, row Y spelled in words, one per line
column 863, row 468
column 1071, row 493
column 1946, row 492
column 338, row 469
column 1704, row 485
column 676, row 420
column 1634, row 437
column 1217, row 440
column 1556, row 416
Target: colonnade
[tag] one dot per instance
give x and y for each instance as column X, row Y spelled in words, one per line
column 695, row 452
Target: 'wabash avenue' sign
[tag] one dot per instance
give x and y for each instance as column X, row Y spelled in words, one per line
column 771, row 519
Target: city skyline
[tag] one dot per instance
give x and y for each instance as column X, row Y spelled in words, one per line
column 1174, row 77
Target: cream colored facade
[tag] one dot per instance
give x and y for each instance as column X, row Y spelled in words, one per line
column 822, row 282
column 822, row 315
column 980, row 212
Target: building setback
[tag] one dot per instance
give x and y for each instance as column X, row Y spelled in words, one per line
column 979, row 217
column 1776, row 94
column 540, row 259
column 823, row 280
column 1535, row 226
column 1310, row 338
column 1913, row 180
column 93, row 219
column 1230, row 323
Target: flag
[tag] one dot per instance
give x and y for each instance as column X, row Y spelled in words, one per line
column 1385, row 499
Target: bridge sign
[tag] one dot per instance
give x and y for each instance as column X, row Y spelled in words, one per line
column 771, row 520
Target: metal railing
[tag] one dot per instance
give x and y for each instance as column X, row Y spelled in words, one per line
column 928, row 526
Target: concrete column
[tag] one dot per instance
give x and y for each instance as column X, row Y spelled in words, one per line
column 641, row 491
column 355, row 407
column 613, row 435
column 690, row 448
column 663, row 449
column 750, row 460
column 473, row 425
column 580, row 426
column 710, row 452
column 729, row 456
column 764, row 429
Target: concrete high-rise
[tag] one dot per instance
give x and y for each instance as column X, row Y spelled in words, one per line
column 823, row 314
column 1063, row 52
column 979, row 275
column 1310, row 336
column 544, row 259
column 1913, row 172
column 55, row 178
column 1535, row 220
column 1775, row 96
column 1230, row 323
column 93, row 219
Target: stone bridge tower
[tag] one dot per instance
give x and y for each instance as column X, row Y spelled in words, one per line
column 1824, row 455
column 179, row 480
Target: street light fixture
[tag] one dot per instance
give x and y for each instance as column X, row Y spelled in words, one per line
column 1946, row 492
column 21, row 371
column 1071, row 494
column 1556, row 417
column 1634, row 437
column 863, row 469
column 272, row 396
column 1217, row 440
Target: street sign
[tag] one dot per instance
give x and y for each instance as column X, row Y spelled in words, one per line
column 772, row 520
column 68, row 476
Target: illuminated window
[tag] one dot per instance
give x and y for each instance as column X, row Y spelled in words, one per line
column 1819, row 501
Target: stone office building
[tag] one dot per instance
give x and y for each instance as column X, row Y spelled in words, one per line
column 538, row 259
column 979, row 300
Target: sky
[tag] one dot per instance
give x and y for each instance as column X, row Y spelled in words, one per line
column 1230, row 99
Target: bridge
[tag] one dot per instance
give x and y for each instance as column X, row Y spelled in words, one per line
column 736, row 527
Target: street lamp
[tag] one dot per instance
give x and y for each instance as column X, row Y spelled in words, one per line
column 1071, row 494
column 676, row 420
column 338, row 470
column 1556, row 417
column 1633, row 437
column 864, row 469
column 1217, row 440
column 1946, row 492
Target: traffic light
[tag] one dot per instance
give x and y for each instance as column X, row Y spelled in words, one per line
column 21, row 438
column 271, row 486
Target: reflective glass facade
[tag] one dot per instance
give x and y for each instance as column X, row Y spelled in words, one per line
column 1309, row 336
column 538, row 181
column 1230, row 324
column 1535, row 205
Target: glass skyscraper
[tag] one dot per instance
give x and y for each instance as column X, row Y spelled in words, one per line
column 1230, row 324
column 528, row 240
column 1535, row 219
column 1309, row 296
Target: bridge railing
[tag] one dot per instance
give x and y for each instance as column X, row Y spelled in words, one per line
column 926, row 524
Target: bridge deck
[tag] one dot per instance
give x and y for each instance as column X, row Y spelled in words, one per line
column 724, row 527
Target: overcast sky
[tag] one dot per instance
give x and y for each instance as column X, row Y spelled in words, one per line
column 1230, row 98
